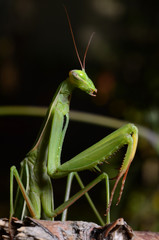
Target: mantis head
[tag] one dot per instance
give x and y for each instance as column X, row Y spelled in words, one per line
column 80, row 79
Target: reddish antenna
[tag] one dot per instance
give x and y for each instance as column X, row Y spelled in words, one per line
column 73, row 38
column 85, row 54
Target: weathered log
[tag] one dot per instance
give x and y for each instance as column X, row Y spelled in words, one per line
column 32, row 229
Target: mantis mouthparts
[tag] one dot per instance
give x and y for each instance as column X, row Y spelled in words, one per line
column 93, row 93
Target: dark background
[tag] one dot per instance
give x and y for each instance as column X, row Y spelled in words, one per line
column 36, row 54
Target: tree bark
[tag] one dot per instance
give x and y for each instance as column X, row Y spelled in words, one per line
column 32, row 229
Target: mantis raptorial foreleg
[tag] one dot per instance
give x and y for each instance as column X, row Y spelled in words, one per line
column 101, row 151
column 43, row 162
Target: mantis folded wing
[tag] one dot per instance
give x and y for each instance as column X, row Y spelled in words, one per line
column 43, row 162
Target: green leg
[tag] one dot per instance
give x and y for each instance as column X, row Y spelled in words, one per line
column 91, row 202
column 67, row 194
column 11, row 194
column 75, row 197
column 14, row 173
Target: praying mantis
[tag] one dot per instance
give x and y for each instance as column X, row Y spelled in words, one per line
column 43, row 162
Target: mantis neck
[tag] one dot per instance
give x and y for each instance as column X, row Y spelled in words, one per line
column 60, row 102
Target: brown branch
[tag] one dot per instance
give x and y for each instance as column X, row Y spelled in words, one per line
column 32, row 229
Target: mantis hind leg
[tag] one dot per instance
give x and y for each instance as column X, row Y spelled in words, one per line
column 19, row 204
column 23, row 190
column 91, row 202
column 67, row 195
column 83, row 191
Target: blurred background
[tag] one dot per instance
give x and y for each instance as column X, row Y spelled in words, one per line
column 36, row 54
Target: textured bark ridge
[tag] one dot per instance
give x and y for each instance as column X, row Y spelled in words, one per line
column 32, row 229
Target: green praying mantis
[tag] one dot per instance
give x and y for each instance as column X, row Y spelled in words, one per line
column 43, row 162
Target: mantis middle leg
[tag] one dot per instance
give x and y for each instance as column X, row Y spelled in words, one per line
column 67, row 196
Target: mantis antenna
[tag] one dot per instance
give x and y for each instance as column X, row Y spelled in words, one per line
column 84, row 58
column 74, row 42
